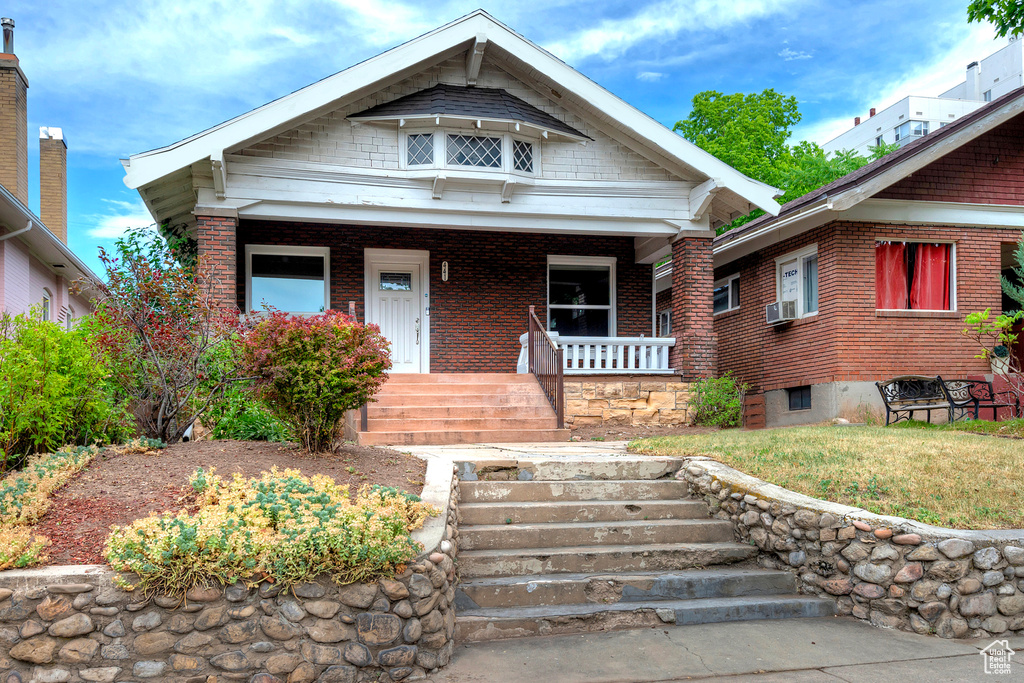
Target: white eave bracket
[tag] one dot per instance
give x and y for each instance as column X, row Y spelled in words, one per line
column 701, row 197
column 506, row 190
column 439, row 181
column 475, row 58
column 220, row 174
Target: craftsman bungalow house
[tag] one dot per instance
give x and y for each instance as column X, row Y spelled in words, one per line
column 880, row 267
column 446, row 186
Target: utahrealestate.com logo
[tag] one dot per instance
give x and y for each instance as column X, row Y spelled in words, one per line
column 997, row 657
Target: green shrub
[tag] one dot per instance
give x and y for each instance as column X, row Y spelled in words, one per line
column 310, row 370
column 281, row 526
column 239, row 414
column 54, row 390
column 718, row 402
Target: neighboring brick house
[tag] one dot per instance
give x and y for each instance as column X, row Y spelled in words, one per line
column 36, row 266
column 447, row 185
column 883, row 266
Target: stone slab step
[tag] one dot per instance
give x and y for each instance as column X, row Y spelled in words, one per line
column 377, row 412
column 462, row 424
column 562, row 589
column 460, row 378
column 591, row 559
column 604, row 469
column 554, row 535
column 580, row 511
column 539, row 491
column 442, row 437
column 499, row 623
column 483, row 388
column 443, row 399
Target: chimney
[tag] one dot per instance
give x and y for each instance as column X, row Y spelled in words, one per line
column 13, row 118
column 856, row 120
column 973, row 81
column 53, row 181
column 871, row 113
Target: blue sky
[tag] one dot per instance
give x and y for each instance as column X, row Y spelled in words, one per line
column 123, row 76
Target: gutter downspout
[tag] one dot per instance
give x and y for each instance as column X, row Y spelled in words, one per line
column 16, row 232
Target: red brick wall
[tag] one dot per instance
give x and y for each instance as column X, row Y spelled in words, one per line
column 694, row 353
column 216, row 237
column 987, row 170
column 477, row 316
column 849, row 340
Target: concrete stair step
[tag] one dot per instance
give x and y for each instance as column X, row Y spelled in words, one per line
column 499, row 623
column 564, row 589
column 437, row 398
column 555, row 535
column 604, row 469
column 581, row 490
column 580, row 511
column 441, row 437
column 593, row 559
column 378, row 412
column 483, row 388
column 461, row 424
column 460, row 378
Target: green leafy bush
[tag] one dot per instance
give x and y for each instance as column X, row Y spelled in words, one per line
column 239, row 414
column 281, row 526
column 310, row 370
column 54, row 390
column 718, row 402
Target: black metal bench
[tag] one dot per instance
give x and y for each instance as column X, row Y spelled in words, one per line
column 904, row 396
column 969, row 397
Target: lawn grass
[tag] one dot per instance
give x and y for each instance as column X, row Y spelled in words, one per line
column 946, row 476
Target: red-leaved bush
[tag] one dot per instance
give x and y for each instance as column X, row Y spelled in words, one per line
column 310, row 370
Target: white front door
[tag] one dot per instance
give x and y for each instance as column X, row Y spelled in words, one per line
column 396, row 300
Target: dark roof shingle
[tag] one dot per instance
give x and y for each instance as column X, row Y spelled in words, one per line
column 454, row 100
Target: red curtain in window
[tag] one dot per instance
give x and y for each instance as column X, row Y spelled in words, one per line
column 930, row 289
column 890, row 275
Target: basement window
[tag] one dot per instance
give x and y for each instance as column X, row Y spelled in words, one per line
column 289, row 279
column 799, row 398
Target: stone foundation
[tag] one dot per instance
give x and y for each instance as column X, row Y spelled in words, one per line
column 629, row 400
column 892, row 572
column 73, row 624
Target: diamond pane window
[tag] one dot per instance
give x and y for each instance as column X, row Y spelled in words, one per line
column 470, row 150
column 421, row 149
column 522, row 156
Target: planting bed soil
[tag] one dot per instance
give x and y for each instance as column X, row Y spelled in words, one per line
column 118, row 489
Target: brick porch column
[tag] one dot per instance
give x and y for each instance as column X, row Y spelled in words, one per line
column 693, row 356
column 216, row 236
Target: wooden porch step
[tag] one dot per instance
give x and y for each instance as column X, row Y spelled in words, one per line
column 443, row 437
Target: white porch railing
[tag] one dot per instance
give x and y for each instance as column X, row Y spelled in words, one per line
column 608, row 355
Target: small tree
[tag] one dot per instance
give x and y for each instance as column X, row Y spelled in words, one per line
column 718, row 402
column 166, row 337
column 310, row 370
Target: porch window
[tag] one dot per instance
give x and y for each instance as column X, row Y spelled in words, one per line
column 581, row 296
column 727, row 294
column 914, row 276
column 665, row 322
column 290, row 279
column 797, row 280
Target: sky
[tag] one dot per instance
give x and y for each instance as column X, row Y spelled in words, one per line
column 122, row 76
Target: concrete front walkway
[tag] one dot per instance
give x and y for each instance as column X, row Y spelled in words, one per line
column 829, row 650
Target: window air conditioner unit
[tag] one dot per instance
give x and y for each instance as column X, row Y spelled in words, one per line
column 780, row 312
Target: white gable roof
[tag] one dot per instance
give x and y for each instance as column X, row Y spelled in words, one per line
column 412, row 57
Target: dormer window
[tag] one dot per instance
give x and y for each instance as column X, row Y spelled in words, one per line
column 420, row 149
column 470, row 151
column 473, row 150
column 522, row 156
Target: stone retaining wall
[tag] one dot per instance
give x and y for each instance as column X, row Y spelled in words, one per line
column 72, row 624
column 893, row 572
column 629, row 400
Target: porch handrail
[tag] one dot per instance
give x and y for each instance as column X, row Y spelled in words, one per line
column 546, row 363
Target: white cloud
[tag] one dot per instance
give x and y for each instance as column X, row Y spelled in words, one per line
column 934, row 75
column 122, row 216
column 650, row 76
column 789, row 55
column 661, row 21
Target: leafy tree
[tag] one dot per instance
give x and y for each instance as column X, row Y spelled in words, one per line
column 165, row 335
column 1006, row 15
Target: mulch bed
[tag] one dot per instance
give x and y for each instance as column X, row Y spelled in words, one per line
column 118, row 489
